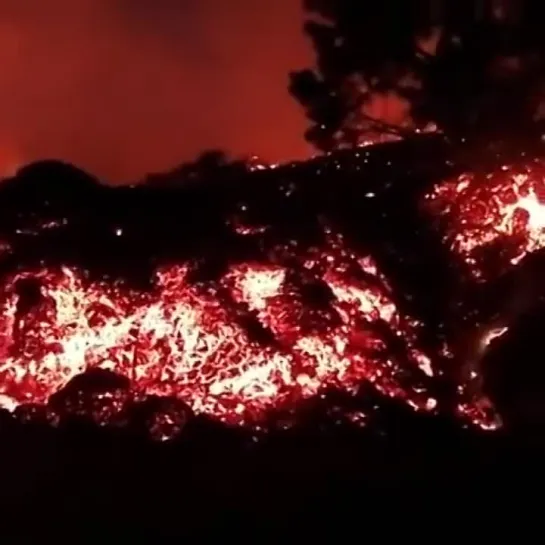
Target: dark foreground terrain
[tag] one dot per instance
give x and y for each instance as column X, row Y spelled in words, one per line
column 71, row 486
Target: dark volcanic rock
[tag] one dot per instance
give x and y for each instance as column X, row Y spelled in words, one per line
column 514, row 374
column 97, row 394
column 160, row 418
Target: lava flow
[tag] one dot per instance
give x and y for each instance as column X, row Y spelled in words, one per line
column 501, row 210
column 197, row 341
column 267, row 334
column 492, row 221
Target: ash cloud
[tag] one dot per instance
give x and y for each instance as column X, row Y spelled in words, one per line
column 123, row 88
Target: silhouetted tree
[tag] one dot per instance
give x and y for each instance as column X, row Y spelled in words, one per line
column 467, row 66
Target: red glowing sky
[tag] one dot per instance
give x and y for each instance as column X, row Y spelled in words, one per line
column 126, row 87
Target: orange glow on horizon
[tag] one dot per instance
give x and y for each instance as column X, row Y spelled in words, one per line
column 123, row 89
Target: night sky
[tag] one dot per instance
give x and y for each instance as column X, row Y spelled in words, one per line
column 126, row 87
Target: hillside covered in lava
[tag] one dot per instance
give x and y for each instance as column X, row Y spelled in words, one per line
column 255, row 296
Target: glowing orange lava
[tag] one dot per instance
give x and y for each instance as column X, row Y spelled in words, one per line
column 505, row 207
column 194, row 341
